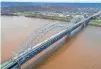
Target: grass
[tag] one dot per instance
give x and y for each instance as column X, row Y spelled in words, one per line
column 39, row 15
column 6, row 63
column 95, row 22
column 58, row 18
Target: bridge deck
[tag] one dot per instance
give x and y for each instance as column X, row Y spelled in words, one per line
column 81, row 52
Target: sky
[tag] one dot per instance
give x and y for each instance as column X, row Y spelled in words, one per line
column 54, row 1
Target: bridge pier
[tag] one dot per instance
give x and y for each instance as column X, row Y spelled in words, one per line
column 68, row 37
column 83, row 26
column 19, row 68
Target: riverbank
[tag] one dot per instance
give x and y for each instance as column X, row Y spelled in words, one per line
column 39, row 15
column 95, row 23
column 10, row 14
column 51, row 18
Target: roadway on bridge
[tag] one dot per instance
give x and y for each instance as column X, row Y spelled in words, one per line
column 81, row 52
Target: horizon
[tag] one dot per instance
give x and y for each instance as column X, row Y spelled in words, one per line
column 52, row 1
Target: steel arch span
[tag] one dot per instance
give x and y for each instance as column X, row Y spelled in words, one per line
column 41, row 32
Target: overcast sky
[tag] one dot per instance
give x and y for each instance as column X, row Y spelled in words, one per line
column 54, row 0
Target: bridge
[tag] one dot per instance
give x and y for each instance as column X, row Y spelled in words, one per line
column 31, row 47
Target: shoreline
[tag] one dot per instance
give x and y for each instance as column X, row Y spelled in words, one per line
column 47, row 18
column 95, row 25
column 9, row 15
column 41, row 17
column 37, row 17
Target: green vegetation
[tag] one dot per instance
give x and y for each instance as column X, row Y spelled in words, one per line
column 58, row 18
column 39, row 15
column 31, row 14
column 6, row 63
column 95, row 22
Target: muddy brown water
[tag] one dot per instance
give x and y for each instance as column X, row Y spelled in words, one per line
column 15, row 30
column 81, row 52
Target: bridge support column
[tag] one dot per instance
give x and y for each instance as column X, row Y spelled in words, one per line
column 83, row 26
column 68, row 37
column 19, row 68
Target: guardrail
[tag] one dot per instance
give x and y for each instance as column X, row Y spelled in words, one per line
column 45, row 44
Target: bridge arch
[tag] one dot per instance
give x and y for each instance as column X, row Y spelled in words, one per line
column 77, row 18
column 39, row 33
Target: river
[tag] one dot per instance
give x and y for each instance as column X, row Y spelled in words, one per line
column 15, row 30
column 81, row 52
